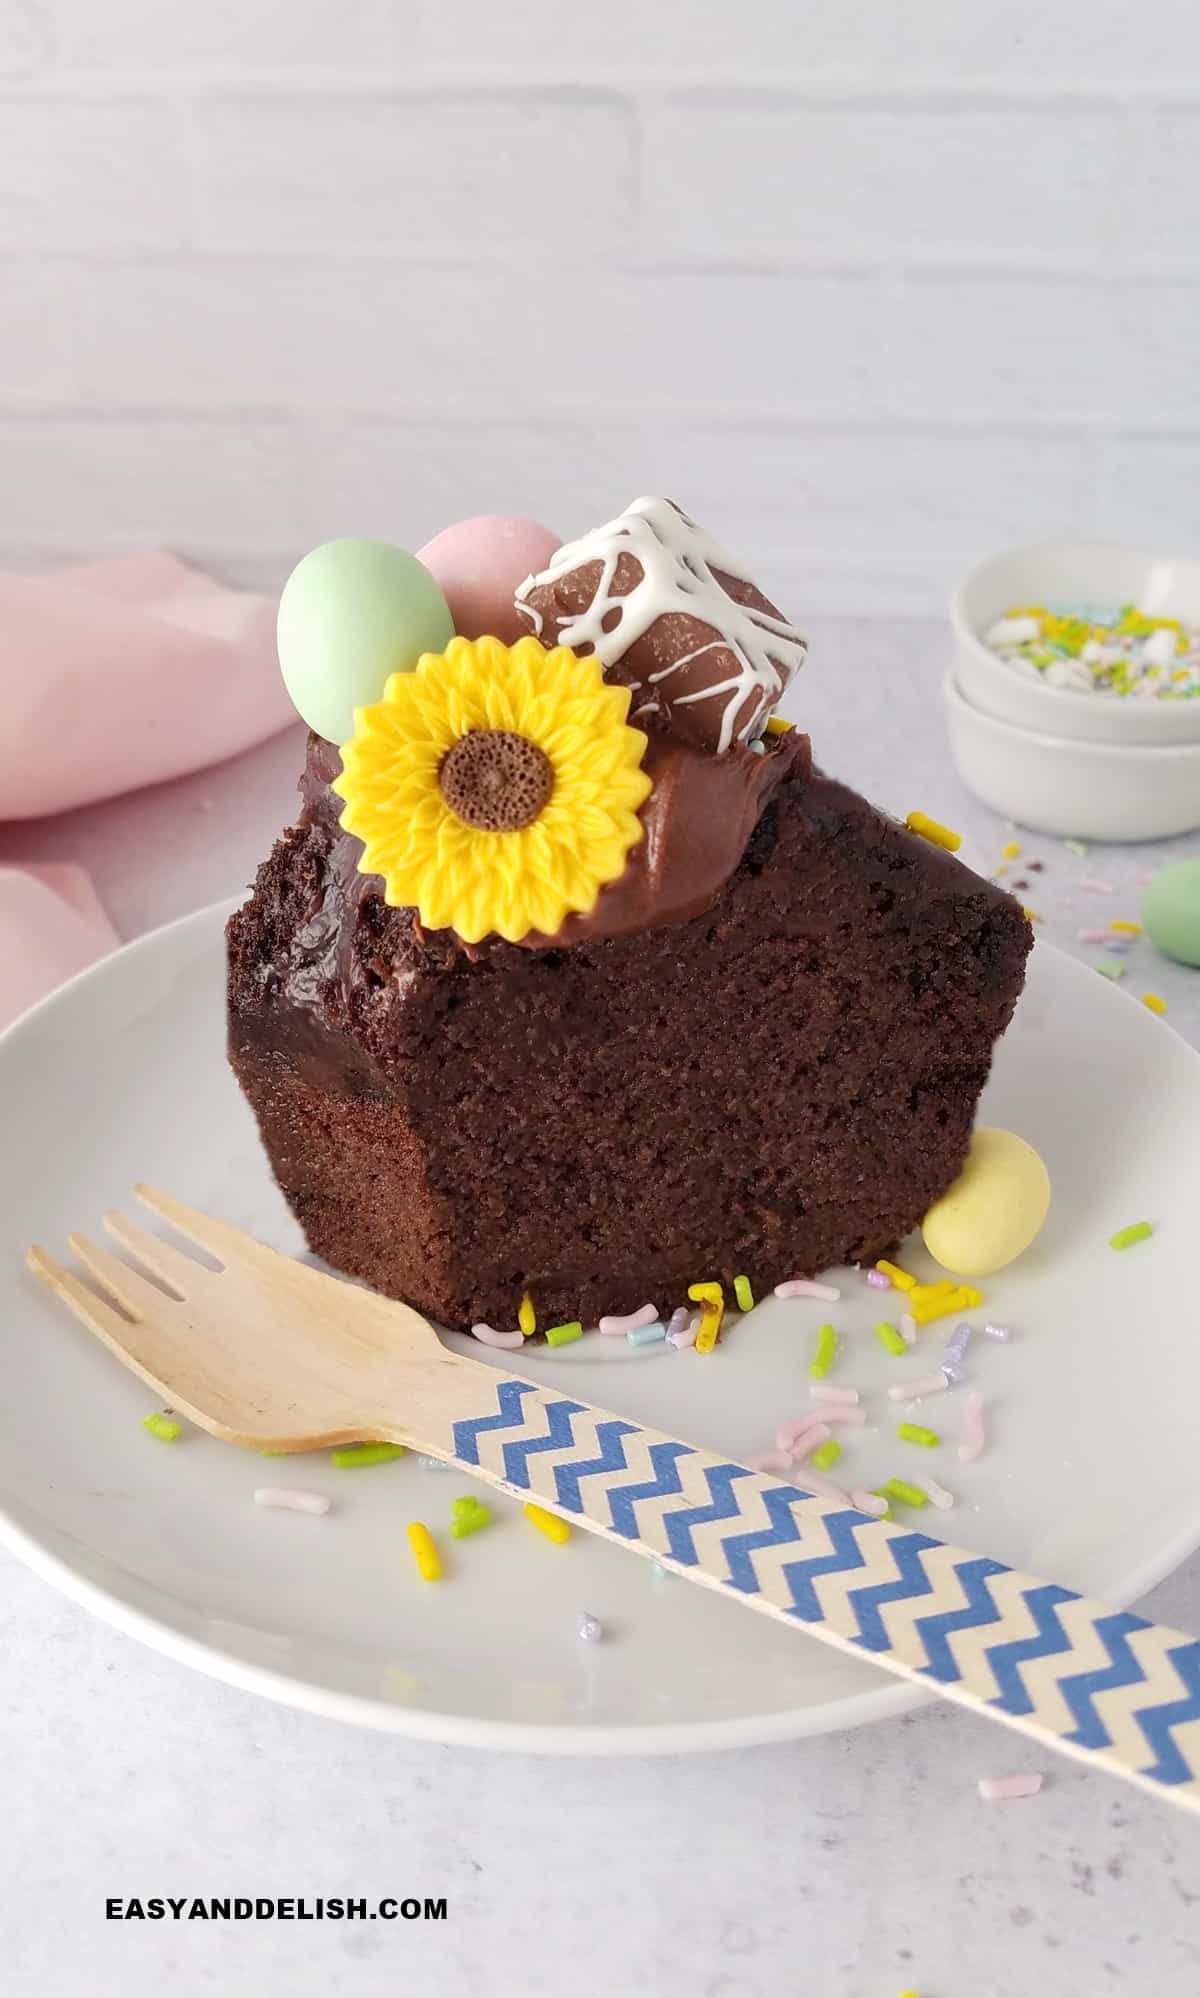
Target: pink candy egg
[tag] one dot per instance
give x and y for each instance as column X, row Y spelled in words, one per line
column 478, row 565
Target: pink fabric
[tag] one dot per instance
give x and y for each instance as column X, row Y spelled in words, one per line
column 113, row 675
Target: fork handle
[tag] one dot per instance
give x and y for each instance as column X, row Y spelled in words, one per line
column 1105, row 1686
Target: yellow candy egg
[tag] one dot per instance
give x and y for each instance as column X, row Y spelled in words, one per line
column 994, row 1209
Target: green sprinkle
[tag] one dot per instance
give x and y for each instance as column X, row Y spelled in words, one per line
column 743, row 1293
column 469, row 1516
column 1125, row 1238
column 826, row 1457
column 562, row 1335
column 275, row 1453
column 904, row 1493
column 162, row 1427
column 1110, row 967
column 888, row 1336
column 355, row 1454
column 916, row 1432
column 826, row 1352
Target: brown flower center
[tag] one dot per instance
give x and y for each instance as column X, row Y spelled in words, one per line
column 496, row 781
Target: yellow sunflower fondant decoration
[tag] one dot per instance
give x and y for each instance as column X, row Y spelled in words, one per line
column 496, row 788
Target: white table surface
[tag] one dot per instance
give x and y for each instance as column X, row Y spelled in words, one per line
column 854, row 1866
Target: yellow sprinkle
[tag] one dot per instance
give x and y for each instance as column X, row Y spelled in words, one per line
column 942, row 1307
column 930, row 829
column 1000, row 872
column 929, row 1293
column 971, row 1297
column 527, row 1316
column 1010, row 851
column 1152, row 1000
column 420, row 1539
column 706, row 1293
column 777, row 726
column 901, row 1278
column 1030, row 915
column 710, row 1325
column 1127, row 929
column 743, row 1293
column 549, row 1523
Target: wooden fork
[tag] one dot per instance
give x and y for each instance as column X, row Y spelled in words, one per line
column 272, row 1354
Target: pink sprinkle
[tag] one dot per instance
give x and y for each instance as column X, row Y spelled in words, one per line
column 1092, row 936
column 879, row 1279
column 810, row 1440
column 843, row 1411
column 1000, row 1789
column 913, row 1390
column 938, row 1495
column 974, row 1437
column 812, row 1481
column 789, row 1433
column 684, row 1335
column 1145, row 877
column 1095, row 887
column 826, row 1391
column 871, row 1502
column 633, row 1320
column 291, row 1501
column 487, row 1335
column 770, row 1460
column 800, row 1287
column 908, row 1329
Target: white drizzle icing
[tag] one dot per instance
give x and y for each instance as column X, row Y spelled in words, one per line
column 677, row 559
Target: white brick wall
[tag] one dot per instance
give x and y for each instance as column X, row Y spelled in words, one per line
column 872, row 288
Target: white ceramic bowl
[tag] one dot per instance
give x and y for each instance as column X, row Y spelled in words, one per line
column 1083, row 790
column 1066, row 572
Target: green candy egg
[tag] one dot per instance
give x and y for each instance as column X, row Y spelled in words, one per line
column 1171, row 911
column 351, row 613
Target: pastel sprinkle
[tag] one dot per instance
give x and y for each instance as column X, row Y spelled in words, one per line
column 937, row 835
column 616, row 1326
column 1006, row 1789
column 588, row 1628
column 283, row 1499
column 801, row 1287
column 819, row 1486
column 955, row 1349
column 889, row 1338
column 355, row 1455
column 908, row 1329
column 487, row 1335
column 676, row 1322
column 974, row 1436
column 647, row 1335
column 527, row 1316
column 1137, row 1231
column 777, row 726
column 1092, row 936
column 1111, row 967
column 916, row 1390
column 828, row 1391
column 431, row 1464
column 425, row 1553
column 904, row 1493
column 469, row 1515
column 930, row 1293
column 827, row 1455
column 710, row 1325
column 1079, row 847
column 879, row 1280
column 963, row 1299
column 1154, row 1001
column 1092, row 886
column 564, row 1335
column 809, row 1440
column 997, row 1332
column 778, row 1462
column 916, row 1432
column 902, row 1279
column 743, row 1293
column 826, row 1352
column 869, row 1502
column 1010, row 851
column 939, row 1496
column 162, row 1426
column 549, row 1523
column 684, row 1334
column 1126, row 929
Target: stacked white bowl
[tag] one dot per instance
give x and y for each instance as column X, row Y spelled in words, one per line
column 1085, row 765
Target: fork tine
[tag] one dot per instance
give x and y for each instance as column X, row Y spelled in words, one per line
column 215, row 1236
column 94, row 1312
column 133, row 1292
column 171, row 1265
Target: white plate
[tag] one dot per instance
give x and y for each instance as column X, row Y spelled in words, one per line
column 1090, row 1479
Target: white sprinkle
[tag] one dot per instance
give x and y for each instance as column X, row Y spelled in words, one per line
column 290, row 1501
column 867, row 1501
column 684, row 1335
column 997, row 1332
column 908, row 1329
column 974, row 1436
column 616, row 1327
column 1000, row 1789
column 826, row 1391
column 431, row 1464
column 590, row 1628
column 800, row 1287
column 938, row 1495
column 487, row 1335
column 914, row 1390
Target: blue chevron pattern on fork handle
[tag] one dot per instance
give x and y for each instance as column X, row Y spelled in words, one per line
column 1105, row 1686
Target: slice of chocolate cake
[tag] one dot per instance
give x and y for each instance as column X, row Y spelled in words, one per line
column 755, row 1047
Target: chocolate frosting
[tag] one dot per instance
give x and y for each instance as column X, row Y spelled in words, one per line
column 698, row 820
